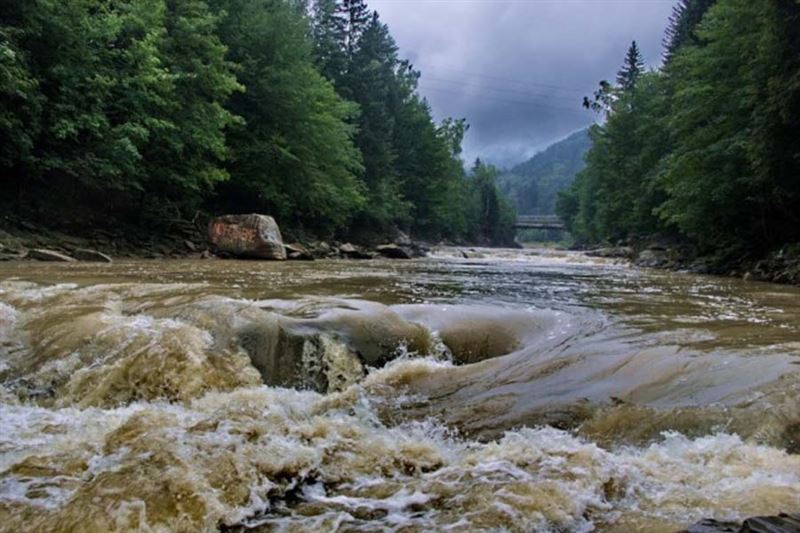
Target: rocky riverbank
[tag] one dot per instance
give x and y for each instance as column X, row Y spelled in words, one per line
column 25, row 240
column 781, row 266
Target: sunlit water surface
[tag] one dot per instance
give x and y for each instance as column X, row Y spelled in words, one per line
column 516, row 390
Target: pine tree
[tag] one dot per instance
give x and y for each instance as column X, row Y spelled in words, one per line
column 353, row 16
column 683, row 22
column 329, row 52
column 631, row 69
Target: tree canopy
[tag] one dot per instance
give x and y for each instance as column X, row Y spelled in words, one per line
column 706, row 149
column 132, row 109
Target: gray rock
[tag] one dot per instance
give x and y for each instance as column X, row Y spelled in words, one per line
column 190, row 245
column 250, row 236
column 713, row 526
column 41, row 254
column 354, row 252
column 653, row 259
column 782, row 523
column 298, row 252
column 85, row 254
column 392, row 251
column 614, row 252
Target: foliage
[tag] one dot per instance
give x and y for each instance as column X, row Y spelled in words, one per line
column 683, row 22
column 632, row 69
column 412, row 170
column 491, row 217
column 115, row 109
column 706, row 149
column 294, row 156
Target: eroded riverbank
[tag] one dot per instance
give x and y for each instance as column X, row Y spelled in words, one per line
column 515, row 389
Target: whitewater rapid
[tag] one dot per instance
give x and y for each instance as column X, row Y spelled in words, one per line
column 512, row 391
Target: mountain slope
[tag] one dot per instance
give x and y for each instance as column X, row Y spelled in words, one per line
column 533, row 186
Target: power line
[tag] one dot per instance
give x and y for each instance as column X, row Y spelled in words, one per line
column 503, row 89
column 498, row 78
column 505, row 101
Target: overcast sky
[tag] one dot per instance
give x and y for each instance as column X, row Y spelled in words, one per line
column 517, row 69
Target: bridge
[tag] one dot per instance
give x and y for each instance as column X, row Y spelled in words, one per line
column 539, row 222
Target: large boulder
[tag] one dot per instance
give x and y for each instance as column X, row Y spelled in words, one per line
column 250, row 236
column 393, row 251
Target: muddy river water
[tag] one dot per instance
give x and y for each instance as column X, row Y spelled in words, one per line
column 525, row 390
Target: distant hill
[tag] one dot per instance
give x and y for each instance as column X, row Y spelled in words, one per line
column 533, row 186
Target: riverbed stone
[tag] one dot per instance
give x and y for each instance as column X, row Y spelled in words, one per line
column 782, row 523
column 92, row 256
column 352, row 251
column 298, row 252
column 41, row 254
column 248, row 236
column 613, row 252
column 392, row 251
column 710, row 525
column 653, row 258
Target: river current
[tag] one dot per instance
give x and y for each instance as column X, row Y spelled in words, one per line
column 528, row 390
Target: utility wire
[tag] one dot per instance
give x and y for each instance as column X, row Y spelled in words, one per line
column 429, row 67
column 505, row 101
column 501, row 89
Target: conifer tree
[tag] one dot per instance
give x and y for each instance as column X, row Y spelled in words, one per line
column 631, row 69
column 683, row 22
column 329, row 51
column 353, row 17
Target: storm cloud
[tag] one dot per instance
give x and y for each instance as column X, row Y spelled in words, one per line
column 517, row 70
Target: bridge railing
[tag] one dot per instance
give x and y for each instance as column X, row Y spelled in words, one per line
column 539, row 222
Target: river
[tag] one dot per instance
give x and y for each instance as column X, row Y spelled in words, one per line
column 514, row 390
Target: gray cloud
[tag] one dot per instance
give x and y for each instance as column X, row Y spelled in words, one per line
column 517, row 70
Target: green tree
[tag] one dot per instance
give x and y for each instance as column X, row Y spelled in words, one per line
column 632, row 69
column 491, row 218
column 683, row 22
column 20, row 107
column 353, row 17
column 294, row 157
column 715, row 195
column 186, row 149
column 129, row 95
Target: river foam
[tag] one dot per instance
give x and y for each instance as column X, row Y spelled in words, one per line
column 289, row 459
column 166, row 406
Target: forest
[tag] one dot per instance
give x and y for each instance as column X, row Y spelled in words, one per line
column 705, row 150
column 138, row 111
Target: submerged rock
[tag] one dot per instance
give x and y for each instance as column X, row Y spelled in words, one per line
column 85, row 254
column 250, row 236
column 41, row 254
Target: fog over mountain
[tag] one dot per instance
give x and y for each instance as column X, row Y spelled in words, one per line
column 517, row 70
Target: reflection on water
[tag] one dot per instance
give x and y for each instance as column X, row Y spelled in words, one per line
column 516, row 389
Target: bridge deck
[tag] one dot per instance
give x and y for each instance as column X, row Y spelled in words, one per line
column 539, row 222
